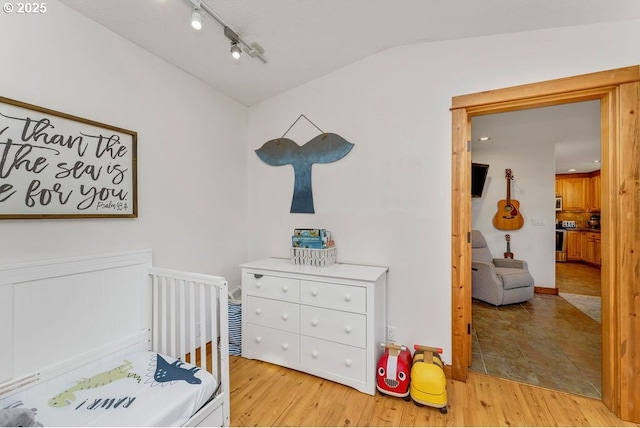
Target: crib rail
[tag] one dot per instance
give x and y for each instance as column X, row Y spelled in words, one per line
column 58, row 315
column 190, row 312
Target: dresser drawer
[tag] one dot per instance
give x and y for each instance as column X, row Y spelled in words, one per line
column 272, row 313
column 271, row 286
column 336, row 326
column 327, row 321
column 334, row 358
column 270, row 344
column 335, row 296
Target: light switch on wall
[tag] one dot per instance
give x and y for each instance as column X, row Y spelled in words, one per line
column 538, row 221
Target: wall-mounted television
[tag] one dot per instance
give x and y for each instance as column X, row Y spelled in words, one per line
column 478, row 178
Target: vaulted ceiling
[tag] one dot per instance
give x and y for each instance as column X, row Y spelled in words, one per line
column 305, row 39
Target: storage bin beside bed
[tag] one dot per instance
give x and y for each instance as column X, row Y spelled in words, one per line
column 235, row 321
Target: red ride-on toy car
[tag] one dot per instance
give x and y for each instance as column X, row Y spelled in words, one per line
column 394, row 370
column 428, row 382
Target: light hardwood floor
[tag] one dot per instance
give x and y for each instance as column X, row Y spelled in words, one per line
column 264, row 394
column 578, row 278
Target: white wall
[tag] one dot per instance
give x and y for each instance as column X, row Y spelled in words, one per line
column 388, row 201
column 192, row 163
column 533, row 186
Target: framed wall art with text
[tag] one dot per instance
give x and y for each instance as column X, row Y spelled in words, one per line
column 55, row 165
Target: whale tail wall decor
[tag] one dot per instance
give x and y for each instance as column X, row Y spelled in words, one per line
column 324, row 148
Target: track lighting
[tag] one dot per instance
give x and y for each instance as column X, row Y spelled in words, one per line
column 254, row 50
column 235, row 50
column 196, row 19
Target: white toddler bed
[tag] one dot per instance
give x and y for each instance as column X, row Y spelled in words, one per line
column 109, row 340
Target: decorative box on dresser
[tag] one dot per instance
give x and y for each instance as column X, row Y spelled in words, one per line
column 326, row 321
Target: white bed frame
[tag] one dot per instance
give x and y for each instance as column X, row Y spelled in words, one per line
column 57, row 314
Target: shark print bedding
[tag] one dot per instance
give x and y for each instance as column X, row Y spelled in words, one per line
column 138, row 389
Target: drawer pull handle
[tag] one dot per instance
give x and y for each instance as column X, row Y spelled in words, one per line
column 314, row 323
column 258, row 339
column 285, row 346
column 257, row 276
column 347, row 362
column 314, row 293
column 258, row 311
column 347, row 329
column 285, row 317
column 285, row 289
column 347, row 297
column 258, row 284
column 314, row 354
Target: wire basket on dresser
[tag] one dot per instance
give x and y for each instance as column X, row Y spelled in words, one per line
column 313, row 256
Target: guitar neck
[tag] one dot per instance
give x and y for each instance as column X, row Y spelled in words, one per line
column 508, row 254
column 509, row 176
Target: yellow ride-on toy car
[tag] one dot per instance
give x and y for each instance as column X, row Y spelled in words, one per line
column 428, row 382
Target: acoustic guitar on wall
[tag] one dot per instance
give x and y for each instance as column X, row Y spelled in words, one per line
column 508, row 216
column 508, row 254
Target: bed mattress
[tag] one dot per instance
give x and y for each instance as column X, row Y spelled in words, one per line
column 137, row 389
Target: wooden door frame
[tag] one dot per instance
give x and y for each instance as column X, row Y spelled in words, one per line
column 619, row 94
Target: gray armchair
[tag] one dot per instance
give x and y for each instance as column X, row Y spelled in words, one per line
column 498, row 281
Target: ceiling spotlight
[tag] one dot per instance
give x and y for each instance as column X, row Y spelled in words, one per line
column 196, row 19
column 254, row 50
column 484, row 138
column 235, row 50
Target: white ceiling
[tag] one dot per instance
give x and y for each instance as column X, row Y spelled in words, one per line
column 572, row 129
column 305, row 39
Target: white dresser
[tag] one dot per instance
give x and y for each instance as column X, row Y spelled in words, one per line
column 326, row 321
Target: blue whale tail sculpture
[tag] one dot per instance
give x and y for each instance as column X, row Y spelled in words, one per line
column 324, row 148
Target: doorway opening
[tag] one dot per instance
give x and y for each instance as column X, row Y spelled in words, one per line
column 516, row 341
column 619, row 94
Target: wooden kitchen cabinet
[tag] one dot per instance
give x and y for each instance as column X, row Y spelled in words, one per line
column 575, row 194
column 595, row 186
column 587, row 247
column 580, row 192
column 591, row 248
column 584, row 246
column 574, row 245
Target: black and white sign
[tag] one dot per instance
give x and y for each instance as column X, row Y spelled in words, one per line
column 54, row 165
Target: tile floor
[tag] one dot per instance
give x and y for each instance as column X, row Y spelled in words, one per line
column 545, row 342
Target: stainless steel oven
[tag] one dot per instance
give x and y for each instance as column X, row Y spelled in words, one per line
column 561, row 245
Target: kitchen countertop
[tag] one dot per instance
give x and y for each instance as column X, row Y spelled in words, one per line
column 579, row 229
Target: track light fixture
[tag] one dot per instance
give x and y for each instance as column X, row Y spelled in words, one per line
column 235, row 46
column 196, row 19
column 235, row 50
column 254, row 50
